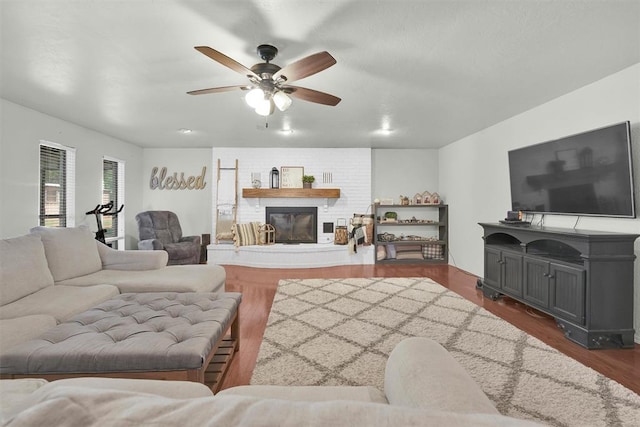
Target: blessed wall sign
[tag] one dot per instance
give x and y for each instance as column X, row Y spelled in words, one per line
column 161, row 180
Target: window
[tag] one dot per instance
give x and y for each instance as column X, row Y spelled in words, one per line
column 113, row 191
column 57, row 185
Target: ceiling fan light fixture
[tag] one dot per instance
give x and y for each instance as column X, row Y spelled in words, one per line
column 255, row 97
column 265, row 108
column 282, row 100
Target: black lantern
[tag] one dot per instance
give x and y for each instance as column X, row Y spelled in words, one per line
column 274, row 178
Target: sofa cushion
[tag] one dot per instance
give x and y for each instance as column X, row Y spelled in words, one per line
column 131, row 260
column 173, row 278
column 61, row 302
column 308, row 393
column 23, row 268
column 71, row 252
column 13, row 392
column 21, row 329
column 441, row 384
column 172, row 389
column 80, row 406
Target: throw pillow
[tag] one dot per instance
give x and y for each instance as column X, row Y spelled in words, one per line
column 432, row 251
column 391, row 251
column 23, row 268
column 71, row 252
column 246, row 234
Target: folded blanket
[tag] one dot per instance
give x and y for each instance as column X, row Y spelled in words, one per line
column 409, row 255
column 409, row 248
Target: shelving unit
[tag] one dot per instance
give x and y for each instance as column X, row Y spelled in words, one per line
column 431, row 221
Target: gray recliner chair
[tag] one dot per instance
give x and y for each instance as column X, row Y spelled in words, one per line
column 160, row 230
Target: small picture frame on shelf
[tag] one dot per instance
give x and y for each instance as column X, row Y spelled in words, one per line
column 291, row 176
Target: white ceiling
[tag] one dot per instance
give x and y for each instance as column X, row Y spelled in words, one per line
column 434, row 71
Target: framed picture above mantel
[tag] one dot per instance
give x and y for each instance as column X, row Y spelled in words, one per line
column 291, row 176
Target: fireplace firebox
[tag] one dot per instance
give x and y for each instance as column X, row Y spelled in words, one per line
column 293, row 224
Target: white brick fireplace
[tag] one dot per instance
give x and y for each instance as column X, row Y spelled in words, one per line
column 348, row 169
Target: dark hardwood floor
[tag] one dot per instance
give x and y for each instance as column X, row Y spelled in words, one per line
column 258, row 286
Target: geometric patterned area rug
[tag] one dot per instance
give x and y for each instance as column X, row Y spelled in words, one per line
column 340, row 332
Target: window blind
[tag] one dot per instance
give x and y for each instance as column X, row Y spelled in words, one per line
column 113, row 190
column 110, row 194
column 57, row 185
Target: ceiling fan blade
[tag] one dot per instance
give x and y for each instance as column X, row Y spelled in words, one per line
column 218, row 89
column 311, row 95
column 306, row 66
column 226, row 61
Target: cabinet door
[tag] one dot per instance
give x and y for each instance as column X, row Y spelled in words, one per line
column 492, row 267
column 536, row 282
column 568, row 292
column 512, row 273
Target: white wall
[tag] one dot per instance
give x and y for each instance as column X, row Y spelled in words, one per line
column 21, row 130
column 474, row 176
column 193, row 207
column 405, row 172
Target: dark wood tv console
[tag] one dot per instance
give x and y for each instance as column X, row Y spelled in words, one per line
column 584, row 279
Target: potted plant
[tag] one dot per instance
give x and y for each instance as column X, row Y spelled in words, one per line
column 307, row 180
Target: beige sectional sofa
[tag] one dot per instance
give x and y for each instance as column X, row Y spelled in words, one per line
column 424, row 385
column 51, row 274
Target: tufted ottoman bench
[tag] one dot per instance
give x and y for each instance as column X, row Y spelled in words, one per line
column 165, row 335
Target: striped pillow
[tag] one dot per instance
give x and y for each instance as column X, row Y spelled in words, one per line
column 246, row 234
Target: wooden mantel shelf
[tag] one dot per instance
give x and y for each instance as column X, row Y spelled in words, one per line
column 327, row 193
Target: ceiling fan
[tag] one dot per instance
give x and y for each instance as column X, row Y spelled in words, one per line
column 268, row 87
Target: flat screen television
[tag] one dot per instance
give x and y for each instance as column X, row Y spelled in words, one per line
column 590, row 173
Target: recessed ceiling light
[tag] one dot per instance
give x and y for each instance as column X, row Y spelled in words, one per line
column 286, row 127
column 385, row 124
column 383, row 131
column 184, row 130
